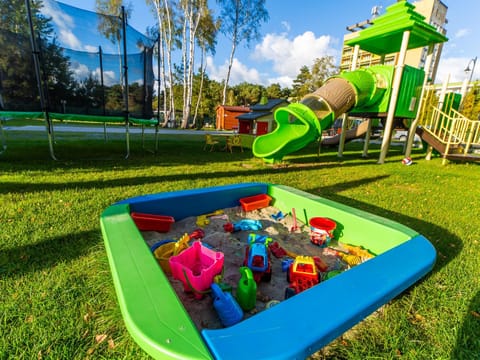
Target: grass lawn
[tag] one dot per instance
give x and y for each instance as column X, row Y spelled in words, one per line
column 58, row 300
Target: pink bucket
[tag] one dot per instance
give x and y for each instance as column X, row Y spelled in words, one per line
column 196, row 267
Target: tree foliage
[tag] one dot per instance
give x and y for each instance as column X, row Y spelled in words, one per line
column 301, row 85
column 471, row 103
column 18, row 84
column 310, row 79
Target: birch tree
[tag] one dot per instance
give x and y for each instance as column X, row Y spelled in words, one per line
column 165, row 14
column 206, row 41
column 240, row 22
column 193, row 11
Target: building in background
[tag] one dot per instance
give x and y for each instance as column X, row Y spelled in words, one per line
column 435, row 12
column 226, row 117
column 260, row 120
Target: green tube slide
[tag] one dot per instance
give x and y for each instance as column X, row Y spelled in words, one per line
column 298, row 124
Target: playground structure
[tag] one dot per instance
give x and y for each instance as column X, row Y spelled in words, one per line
column 389, row 92
column 161, row 325
column 366, row 91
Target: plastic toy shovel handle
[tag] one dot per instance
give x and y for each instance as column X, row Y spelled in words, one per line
column 245, row 272
column 227, row 308
column 247, row 289
column 217, row 292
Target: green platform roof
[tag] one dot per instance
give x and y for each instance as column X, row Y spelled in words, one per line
column 385, row 35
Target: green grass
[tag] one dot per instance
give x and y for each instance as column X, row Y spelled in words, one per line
column 58, row 300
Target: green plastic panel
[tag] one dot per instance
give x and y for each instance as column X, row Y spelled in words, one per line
column 354, row 226
column 386, row 34
column 154, row 316
column 408, row 96
column 410, row 91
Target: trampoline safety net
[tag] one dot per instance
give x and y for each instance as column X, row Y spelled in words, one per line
column 81, row 57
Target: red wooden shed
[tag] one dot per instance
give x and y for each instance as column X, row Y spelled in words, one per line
column 227, row 116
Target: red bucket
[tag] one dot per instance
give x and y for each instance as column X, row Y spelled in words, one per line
column 321, row 231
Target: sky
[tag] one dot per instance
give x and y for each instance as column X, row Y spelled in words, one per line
column 300, row 31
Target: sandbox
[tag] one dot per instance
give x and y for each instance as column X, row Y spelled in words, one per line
column 158, row 319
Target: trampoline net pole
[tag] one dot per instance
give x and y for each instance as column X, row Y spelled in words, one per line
column 125, row 71
column 41, row 92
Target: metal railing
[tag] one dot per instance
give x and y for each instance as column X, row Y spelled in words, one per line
column 452, row 129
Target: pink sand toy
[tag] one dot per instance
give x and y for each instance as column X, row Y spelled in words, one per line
column 196, row 267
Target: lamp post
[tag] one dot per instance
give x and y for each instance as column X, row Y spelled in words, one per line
column 466, row 83
column 471, row 71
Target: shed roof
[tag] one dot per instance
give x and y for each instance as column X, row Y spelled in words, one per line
column 253, row 115
column 271, row 103
column 385, row 35
column 234, row 108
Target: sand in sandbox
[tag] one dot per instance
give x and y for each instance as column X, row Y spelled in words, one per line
column 233, row 246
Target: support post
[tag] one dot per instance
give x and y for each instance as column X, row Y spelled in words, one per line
column 341, row 142
column 100, row 56
column 41, row 90
column 367, row 138
column 397, row 79
column 2, row 136
column 159, row 43
column 414, row 124
column 125, row 77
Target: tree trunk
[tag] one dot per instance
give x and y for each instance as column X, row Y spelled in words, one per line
column 202, row 76
column 168, row 42
column 161, row 60
column 230, row 62
column 232, row 53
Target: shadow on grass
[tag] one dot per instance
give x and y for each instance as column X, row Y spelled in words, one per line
column 193, row 156
column 22, row 187
column 22, row 155
column 46, row 253
column 447, row 244
column 182, row 152
column 190, row 152
column 468, row 337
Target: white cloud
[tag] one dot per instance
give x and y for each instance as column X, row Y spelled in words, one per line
column 461, row 33
column 238, row 74
column 91, row 48
column 68, row 39
column 454, row 67
column 109, row 77
column 80, row 71
column 286, row 55
column 65, row 24
column 289, row 55
column 283, row 81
